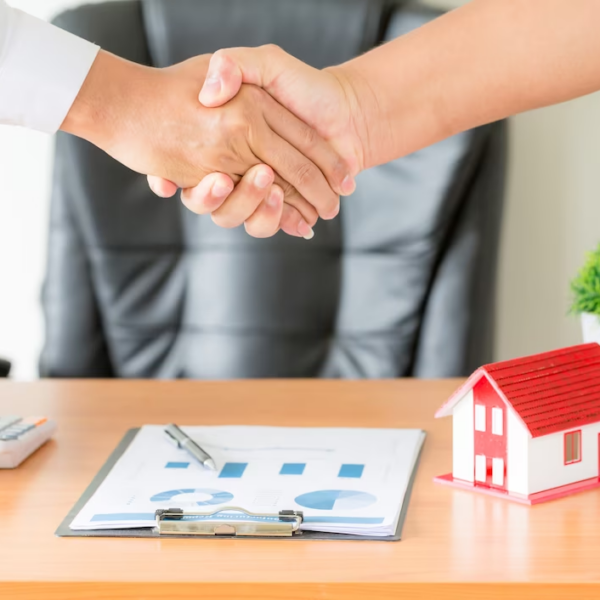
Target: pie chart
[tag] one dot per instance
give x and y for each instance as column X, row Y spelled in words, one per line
column 336, row 499
column 202, row 496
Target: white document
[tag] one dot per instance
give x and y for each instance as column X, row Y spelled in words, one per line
column 344, row 480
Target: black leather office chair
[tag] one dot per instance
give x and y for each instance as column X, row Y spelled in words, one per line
column 402, row 283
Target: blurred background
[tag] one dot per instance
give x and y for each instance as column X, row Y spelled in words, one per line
column 551, row 218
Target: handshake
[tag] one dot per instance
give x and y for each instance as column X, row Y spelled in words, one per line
column 255, row 136
column 252, row 136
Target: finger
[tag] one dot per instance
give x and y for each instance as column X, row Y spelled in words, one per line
column 293, row 198
column 299, row 171
column 293, row 224
column 209, row 194
column 305, row 139
column 264, row 222
column 245, row 198
column 162, row 187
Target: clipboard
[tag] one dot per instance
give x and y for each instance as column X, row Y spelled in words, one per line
column 148, row 532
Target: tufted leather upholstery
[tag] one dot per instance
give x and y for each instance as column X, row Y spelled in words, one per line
column 402, row 283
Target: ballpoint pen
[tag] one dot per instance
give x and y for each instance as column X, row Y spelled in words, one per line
column 183, row 441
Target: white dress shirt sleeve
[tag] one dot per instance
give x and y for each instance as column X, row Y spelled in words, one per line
column 42, row 69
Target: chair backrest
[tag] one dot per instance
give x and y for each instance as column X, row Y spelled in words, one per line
column 402, row 283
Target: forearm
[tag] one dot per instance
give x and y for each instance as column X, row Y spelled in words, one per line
column 480, row 63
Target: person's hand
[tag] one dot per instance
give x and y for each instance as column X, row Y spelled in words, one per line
column 151, row 121
column 253, row 201
column 326, row 100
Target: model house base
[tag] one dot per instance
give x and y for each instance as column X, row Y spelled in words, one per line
column 545, row 496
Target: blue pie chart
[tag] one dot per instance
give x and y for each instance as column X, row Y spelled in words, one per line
column 216, row 496
column 336, row 499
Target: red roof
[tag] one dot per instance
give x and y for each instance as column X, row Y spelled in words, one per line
column 550, row 392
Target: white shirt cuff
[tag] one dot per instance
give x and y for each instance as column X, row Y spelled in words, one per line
column 42, row 72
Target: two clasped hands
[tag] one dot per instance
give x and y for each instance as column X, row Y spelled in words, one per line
column 248, row 139
column 255, row 136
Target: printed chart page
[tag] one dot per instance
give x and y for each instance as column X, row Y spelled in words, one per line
column 344, row 480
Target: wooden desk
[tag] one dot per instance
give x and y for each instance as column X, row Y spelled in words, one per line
column 455, row 544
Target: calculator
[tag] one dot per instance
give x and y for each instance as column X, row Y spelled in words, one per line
column 20, row 437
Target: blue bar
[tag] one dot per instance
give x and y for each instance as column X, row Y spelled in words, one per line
column 233, row 470
column 292, row 468
column 177, row 465
column 354, row 471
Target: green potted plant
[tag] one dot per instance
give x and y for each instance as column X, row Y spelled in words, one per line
column 586, row 296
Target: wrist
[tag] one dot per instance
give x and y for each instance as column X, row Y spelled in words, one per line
column 364, row 119
column 99, row 107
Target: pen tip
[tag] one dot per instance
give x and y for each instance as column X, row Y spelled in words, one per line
column 210, row 464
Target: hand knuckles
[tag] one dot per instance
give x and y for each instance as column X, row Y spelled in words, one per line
column 306, row 174
column 233, row 123
column 272, row 50
column 309, row 138
column 221, row 122
column 220, row 54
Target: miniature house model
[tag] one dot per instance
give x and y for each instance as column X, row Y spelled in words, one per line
column 528, row 429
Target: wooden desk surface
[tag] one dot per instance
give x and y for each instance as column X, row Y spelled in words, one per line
column 455, row 544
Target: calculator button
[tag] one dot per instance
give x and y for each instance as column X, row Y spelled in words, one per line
column 7, row 437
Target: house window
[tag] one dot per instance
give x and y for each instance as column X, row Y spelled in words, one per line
column 497, row 421
column 572, row 447
column 479, row 417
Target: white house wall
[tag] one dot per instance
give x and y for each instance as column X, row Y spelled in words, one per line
column 546, row 460
column 517, row 450
column 463, row 439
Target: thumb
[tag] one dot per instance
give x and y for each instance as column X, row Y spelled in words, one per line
column 229, row 68
column 223, row 81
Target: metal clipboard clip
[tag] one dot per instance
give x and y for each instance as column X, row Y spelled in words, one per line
column 176, row 521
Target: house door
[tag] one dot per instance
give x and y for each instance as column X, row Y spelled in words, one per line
column 489, row 422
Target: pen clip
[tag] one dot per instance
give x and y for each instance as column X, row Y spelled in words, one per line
column 172, row 438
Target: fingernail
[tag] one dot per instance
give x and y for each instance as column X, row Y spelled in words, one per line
column 305, row 230
column 211, row 87
column 220, row 190
column 262, row 180
column 348, row 185
column 274, row 199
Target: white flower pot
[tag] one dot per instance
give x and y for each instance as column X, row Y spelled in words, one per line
column 590, row 326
